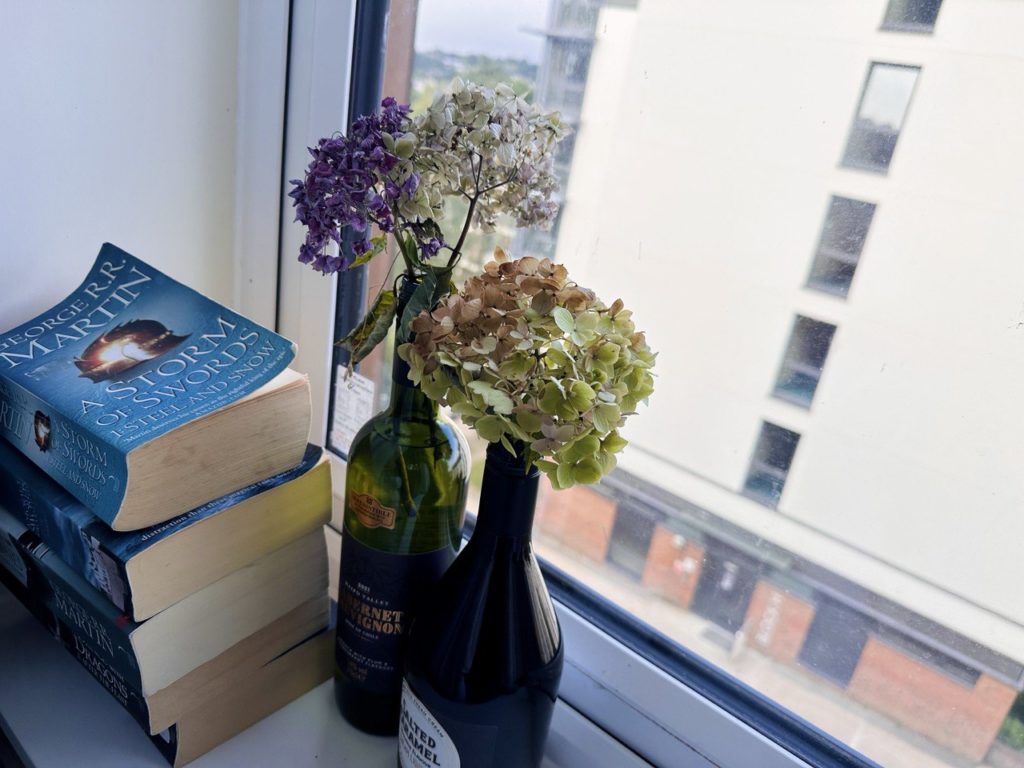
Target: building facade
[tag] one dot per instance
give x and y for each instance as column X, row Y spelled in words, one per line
column 814, row 209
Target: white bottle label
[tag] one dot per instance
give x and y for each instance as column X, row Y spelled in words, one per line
column 422, row 742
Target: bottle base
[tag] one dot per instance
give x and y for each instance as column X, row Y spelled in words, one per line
column 369, row 712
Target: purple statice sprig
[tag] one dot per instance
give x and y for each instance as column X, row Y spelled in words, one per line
column 363, row 179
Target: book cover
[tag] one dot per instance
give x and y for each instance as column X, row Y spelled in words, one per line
column 85, row 543
column 25, row 569
column 97, row 627
column 127, row 357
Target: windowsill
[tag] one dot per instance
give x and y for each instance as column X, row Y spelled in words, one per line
column 762, row 499
column 828, row 289
column 54, row 713
column 908, row 27
column 803, row 403
column 857, row 165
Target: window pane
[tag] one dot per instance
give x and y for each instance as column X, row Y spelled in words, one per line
column 805, row 358
column 857, row 561
column 911, row 15
column 842, row 240
column 880, row 115
column 769, row 466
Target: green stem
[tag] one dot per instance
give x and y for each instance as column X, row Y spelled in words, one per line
column 406, row 483
column 465, row 231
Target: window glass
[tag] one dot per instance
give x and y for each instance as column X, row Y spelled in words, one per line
column 858, row 561
column 880, row 115
column 804, row 360
column 769, row 466
column 911, row 15
column 842, row 240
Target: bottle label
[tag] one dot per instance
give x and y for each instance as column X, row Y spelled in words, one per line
column 422, row 742
column 371, row 512
column 377, row 594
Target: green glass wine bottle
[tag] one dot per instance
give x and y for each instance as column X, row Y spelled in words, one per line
column 405, row 499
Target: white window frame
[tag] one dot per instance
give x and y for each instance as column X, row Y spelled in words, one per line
column 616, row 705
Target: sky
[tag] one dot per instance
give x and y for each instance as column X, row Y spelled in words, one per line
column 491, row 27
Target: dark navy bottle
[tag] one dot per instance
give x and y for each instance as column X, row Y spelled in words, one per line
column 485, row 652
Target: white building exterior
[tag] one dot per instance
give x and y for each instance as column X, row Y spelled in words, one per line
column 711, row 140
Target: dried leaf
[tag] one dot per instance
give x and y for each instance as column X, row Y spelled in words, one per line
column 362, row 339
column 563, row 319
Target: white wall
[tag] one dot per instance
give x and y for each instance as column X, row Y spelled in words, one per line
column 710, row 142
column 118, row 124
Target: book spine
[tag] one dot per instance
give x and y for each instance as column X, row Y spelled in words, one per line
column 87, row 467
column 46, row 597
column 16, row 576
column 106, row 673
column 24, row 493
column 72, row 601
column 80, row 607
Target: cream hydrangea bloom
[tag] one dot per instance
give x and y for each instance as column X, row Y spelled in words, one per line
column 491, row 146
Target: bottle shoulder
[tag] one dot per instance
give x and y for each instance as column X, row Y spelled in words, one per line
column 440, row 432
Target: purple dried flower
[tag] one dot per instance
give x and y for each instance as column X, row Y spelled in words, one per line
column 410, row 185
column 347, row 184
column 431, row 247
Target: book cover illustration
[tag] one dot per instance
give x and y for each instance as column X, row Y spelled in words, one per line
column 127, row 357
column 87, row 545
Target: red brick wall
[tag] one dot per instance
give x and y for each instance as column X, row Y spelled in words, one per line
column 777, row 622
column 673, row 570
column 579, row 517
column 958, row 717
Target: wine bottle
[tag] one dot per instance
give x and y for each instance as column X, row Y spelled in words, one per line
column 405, row 498
column 485, row 652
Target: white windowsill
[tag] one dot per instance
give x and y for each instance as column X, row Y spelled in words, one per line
column 55, row 714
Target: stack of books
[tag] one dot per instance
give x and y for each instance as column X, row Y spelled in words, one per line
column 160, row 510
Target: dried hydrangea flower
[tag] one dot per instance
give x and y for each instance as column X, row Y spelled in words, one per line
column 493, row 148
column 355, row 181
column 524, row 354
column 394, row 171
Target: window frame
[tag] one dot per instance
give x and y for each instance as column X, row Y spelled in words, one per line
column 644, row 690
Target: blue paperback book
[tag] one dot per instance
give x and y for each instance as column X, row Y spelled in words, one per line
column 99, row 638
column 109, row 560
column 93, row 629
column 88, row 387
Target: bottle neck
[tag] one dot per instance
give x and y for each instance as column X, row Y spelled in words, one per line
column 508, row 496
column 408, row 403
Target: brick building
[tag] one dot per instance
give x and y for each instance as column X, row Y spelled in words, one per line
column 921, row 675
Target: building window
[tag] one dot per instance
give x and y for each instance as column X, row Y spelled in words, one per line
column 842, row 240
column 631, row 538
column 727, row 582
column 835, row 641
column 805, row 357
column 770, row 464
column 911, row 15
column 880, row 115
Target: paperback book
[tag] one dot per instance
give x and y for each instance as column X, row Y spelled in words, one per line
column 143, row 572
column 153, row 655
column 134, row 381
column 242, row 691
